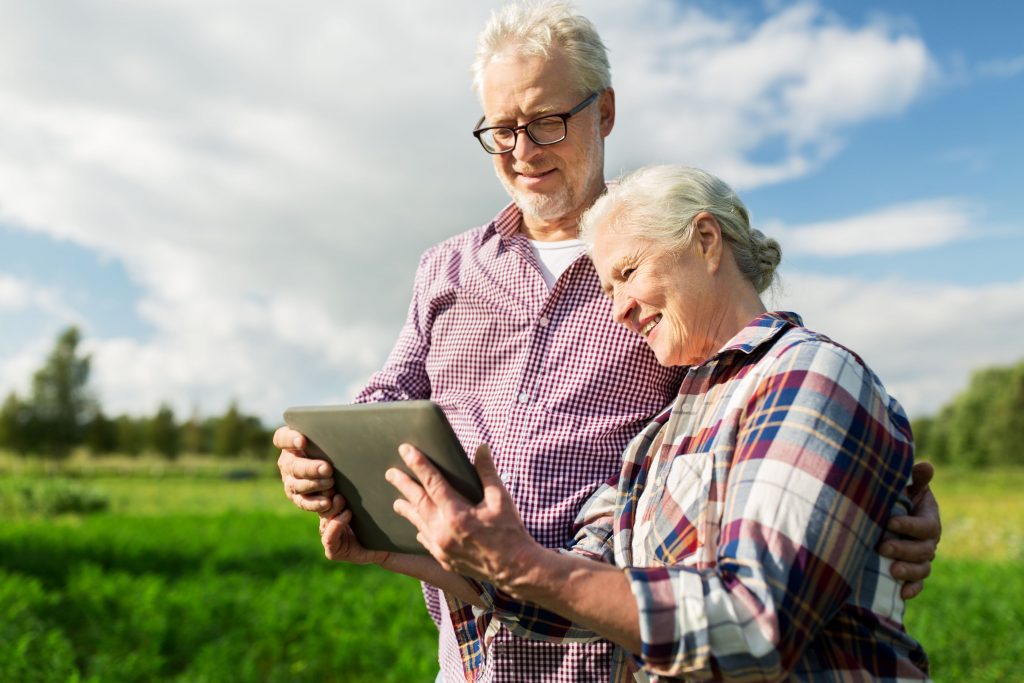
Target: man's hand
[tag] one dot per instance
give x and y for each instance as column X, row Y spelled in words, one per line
column 308, row 482
column 914, row 555
column 339, row 541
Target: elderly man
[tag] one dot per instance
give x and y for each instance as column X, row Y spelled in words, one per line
column 509, row 332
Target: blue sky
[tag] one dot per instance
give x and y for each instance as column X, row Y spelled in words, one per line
column 230, row 198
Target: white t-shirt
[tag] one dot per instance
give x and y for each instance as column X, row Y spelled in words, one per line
column 555, row 257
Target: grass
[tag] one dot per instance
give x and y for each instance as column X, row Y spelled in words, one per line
column 207, row 577
column 198, row 580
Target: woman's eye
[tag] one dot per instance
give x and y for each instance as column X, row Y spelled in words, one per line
column 628, row 272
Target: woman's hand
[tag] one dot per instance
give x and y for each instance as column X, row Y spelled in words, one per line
column 487, row 540
column 339, row 541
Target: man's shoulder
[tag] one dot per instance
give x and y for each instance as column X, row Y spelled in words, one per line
column 470, row 240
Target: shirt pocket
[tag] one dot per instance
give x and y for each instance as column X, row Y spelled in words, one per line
column 677, row 510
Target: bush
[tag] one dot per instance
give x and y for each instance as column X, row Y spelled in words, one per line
column 50, row 497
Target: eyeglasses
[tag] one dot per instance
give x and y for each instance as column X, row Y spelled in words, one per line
column 546, row 130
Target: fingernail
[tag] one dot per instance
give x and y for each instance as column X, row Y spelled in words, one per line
column 899, row 572
column 404, row 451
column 297, row 442
column 896, row 525
column 887, row 549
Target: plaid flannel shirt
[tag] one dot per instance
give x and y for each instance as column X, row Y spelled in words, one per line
column 547, row 379
column 746, row 517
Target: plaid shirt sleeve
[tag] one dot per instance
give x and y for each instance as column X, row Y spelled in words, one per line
column 821, row 458
column 593, row 540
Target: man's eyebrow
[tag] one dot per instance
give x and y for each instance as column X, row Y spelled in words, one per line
column 537, row 113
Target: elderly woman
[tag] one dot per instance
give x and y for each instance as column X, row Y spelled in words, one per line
column 739, row 540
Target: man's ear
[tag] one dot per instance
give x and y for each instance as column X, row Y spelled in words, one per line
column 606, row 107
column 707, row 234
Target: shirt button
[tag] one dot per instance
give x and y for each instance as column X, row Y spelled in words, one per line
column 543, row 321
column 524, row 397
column 506, row 478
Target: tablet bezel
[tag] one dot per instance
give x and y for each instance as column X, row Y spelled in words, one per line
column 361, row 443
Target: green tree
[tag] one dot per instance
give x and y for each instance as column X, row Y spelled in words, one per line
column 981, row 426
column 60, row 404
column 101, row 434
column 128, row 435
column 229, row 433
column 162, row 433
column 193, row 436
column 14, row 418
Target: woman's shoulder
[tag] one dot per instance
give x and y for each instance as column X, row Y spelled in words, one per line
column 800, row 346
column 802, row 357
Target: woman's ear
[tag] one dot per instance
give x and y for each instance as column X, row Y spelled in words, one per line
column 708, row 239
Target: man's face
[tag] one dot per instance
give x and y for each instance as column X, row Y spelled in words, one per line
column 547, row 182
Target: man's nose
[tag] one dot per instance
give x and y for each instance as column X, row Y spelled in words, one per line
column 525, row 148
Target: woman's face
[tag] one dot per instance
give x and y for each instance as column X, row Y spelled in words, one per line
column 664, row 295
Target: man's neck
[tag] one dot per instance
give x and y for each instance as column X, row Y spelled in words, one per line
column 558, row 230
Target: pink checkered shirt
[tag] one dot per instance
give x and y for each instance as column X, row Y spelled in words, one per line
column 542, row 375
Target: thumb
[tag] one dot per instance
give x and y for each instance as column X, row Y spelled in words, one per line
column 923, row 472
column 485, row 467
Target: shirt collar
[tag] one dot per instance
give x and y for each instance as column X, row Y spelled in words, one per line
column 507, row 222
column 761, row 329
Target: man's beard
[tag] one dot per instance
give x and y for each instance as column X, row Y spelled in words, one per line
column 563, row 201
column 545, row 207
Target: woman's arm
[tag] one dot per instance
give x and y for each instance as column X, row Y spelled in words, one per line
column 581, row 597
column 818, row 466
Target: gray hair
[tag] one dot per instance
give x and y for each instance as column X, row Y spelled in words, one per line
column 533, row 29
column 660, row 202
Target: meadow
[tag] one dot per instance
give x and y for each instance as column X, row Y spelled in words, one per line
column 198, row 571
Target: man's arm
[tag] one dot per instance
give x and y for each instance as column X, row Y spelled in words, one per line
column 922, row 527
column 309, row 483
column 340, row 545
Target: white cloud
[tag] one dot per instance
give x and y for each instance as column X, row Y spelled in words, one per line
column 898, row 228
column 923, row 340
column 721, row 93
column 18, row 295
column 1002, row 68
column 267, row 173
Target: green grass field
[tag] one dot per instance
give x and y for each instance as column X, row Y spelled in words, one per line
column 190, row 575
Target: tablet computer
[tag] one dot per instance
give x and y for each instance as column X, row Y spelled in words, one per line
column 361, row 442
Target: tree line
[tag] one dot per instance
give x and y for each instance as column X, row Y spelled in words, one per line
column 61, row 413
column 982, row 426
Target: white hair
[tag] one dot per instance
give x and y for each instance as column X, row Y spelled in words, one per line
column 534, row 29
column 660, row 202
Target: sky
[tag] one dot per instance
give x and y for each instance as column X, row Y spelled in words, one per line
column 229, row 199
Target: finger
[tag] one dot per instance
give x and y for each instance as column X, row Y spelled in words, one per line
column 337, row 505
column 911, row 571
column 923, row 473
column 310, row 503
column 302, row 486
column 435, row 552
column 410, row 512
column 908, row 551
column 912, row 590
column 485, row 468
column 919, row 527
column 311, row 468
column 409, row 488
column 432, row 481
column 287, row 438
